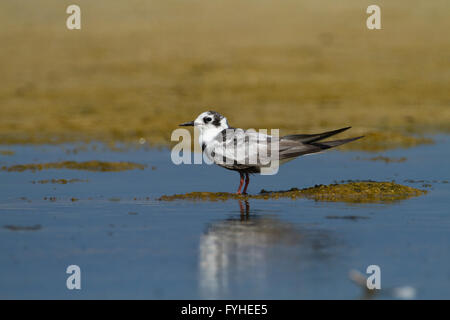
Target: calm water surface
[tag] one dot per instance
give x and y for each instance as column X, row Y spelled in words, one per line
column 129, row 245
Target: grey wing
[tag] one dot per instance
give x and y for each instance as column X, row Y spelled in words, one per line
column 290, row 149
column 309, row 138
column 237, row 149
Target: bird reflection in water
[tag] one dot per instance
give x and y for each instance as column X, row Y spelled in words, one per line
column 245, row 249
column 245, row 211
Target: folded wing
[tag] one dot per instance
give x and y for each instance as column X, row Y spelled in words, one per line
column 237, row 149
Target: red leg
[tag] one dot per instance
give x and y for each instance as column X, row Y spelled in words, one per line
column 247, row 181
column 241, row 183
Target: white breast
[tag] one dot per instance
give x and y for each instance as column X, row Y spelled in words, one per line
column 207, row 136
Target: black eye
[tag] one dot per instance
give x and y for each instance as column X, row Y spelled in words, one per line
column 207, row 119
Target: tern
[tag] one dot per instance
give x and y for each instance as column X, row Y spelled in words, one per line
column 249, row 152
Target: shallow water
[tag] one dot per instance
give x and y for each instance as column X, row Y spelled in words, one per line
column 129, row 245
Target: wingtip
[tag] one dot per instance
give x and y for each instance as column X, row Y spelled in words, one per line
column 354, row 139
column 340, row 130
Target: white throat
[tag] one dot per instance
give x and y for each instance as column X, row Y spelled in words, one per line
column 208, row 134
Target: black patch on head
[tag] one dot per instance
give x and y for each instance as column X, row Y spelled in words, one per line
column 216, row 118
column 207, row 119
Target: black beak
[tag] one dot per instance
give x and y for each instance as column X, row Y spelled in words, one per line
column 187, row 124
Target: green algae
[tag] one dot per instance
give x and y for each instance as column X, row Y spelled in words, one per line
column 388, row 159
column 23, row 228
column 352, row 192
column 384, row 159
column 377, row 141
column 425, row 181
column 58, row 181
column 7, row 152
column 74, row 165
column 351, row 217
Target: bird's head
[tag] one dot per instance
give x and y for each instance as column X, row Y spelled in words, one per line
column 208, row 121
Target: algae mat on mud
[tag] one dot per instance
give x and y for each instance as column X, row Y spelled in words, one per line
column 74, row 165
column 352, row 192
column 137, row 68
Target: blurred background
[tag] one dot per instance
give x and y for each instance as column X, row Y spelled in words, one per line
column 137, row 68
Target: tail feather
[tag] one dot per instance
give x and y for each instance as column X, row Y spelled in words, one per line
column 307, row 148
column 331, row 144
